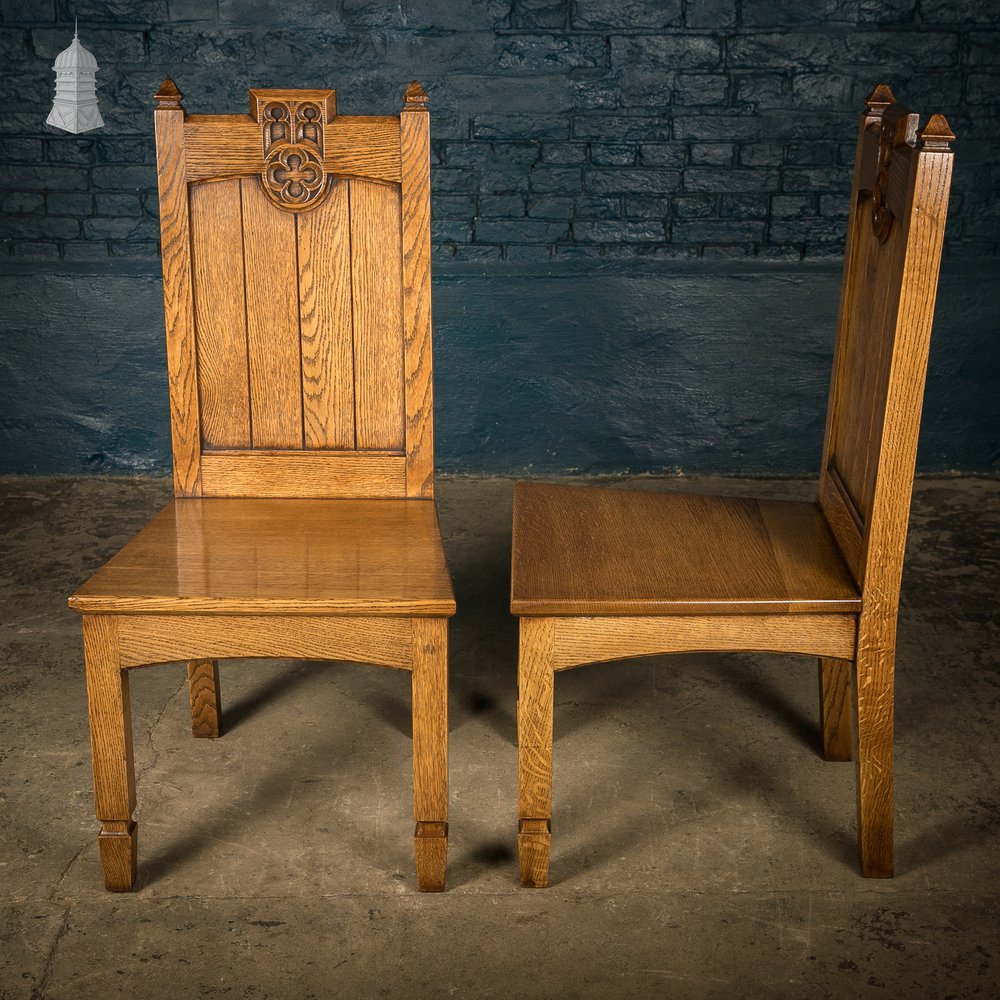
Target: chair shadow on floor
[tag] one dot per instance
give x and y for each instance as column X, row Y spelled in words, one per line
column 600, row 692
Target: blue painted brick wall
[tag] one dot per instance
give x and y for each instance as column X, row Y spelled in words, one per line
column 588, row 128
column 638, row 209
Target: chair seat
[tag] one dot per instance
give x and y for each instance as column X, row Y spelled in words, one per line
column 583, row 550
column 251, row 556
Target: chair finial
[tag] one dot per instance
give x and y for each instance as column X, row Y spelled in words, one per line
column 168, row 96
column 879, row 99
column 937, row 133
column 415, row 97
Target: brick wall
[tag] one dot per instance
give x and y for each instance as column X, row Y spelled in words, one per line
column 592, row 128
column 638, row 210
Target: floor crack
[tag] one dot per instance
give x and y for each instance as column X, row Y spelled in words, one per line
column 39, row 991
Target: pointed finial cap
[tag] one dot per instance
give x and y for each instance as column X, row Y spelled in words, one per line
column 415, row 97
column 879, row 99
column 937, row 133
column 168, row 97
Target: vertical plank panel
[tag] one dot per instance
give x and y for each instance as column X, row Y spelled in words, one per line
column 376, row 280
column 272, row 302
column 220, row 314
column 414, row 134
column 325, row 317
column 177, row 307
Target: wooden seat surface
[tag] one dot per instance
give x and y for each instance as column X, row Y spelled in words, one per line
column 286, row 556
column 584, row 550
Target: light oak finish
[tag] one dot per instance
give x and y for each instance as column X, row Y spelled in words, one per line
column 206, row 706
column 296, row 297
column 602, row 574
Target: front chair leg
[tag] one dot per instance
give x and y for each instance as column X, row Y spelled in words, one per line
column 873, row 706
column 206, row 704
column 835, row 708
column 535, row 691
column 430, row 751
column 111, row 749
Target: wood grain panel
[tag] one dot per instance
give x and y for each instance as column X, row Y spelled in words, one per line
column 220, row 314
column 363, row 147
column 415, row 194
column 231, row 146
column 595, row 551
column 597, row 639
column 430, row 719
column 272, row 297
column 303, row 474
column 178, row 311
column 149, row 639
column 278, row 556
column 324, row 260
column 376, row 283
column 535, row 691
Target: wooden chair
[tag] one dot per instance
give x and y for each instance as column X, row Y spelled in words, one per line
column 603, row 574
column 296, row 285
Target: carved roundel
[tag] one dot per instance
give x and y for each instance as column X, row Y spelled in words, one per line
column 294, row 176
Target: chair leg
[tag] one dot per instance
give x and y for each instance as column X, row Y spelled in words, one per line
column 835, row 708
column 111, row 748
column 206, row 704
column 535, row 689
column 873, row 706
column 430, row 751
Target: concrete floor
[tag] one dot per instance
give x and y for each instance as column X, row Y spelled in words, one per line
column 701, row 848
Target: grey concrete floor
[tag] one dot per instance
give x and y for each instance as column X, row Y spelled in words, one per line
column 701, row 846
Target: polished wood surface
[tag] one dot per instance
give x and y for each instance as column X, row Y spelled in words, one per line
column 235, row 556
column 318, row 474
column 203, row 692
column 178, row 309
column 296, row 283
column 602, row 574
column 414, row 124
column 298, row 324
column 585, row 551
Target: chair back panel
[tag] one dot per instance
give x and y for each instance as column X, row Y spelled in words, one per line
column 297, row 306
column 896, row 227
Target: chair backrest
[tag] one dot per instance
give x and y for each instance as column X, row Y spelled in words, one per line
column 296, row 287
column 902, row 175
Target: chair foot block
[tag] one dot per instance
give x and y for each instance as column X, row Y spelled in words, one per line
column 534, row 840
column 430, row 846
column 118, row 843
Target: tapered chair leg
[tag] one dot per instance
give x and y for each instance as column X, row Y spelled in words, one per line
column 835, row 708
column 535, row 690
column 873, row 706
column 111, row 749
column 206, row 704
column 430, row 751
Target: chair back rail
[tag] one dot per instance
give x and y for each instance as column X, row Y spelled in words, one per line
column 896, row 226
column 296, row 268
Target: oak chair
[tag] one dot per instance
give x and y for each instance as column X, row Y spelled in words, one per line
column 604, row 574
column 296, row 286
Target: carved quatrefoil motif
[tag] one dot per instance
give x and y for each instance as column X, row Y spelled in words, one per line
column 294, row 176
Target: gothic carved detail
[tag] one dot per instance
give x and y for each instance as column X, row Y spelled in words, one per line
column 292, row 134
column 882, row 217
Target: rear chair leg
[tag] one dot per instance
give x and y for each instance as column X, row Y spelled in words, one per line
column 535, row 690
column 111, row 749
column 835, row 708
column 430, row 751
column 206, row 704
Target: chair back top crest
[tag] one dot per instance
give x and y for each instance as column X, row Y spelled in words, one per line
column 296, row 282
column 899, row 202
